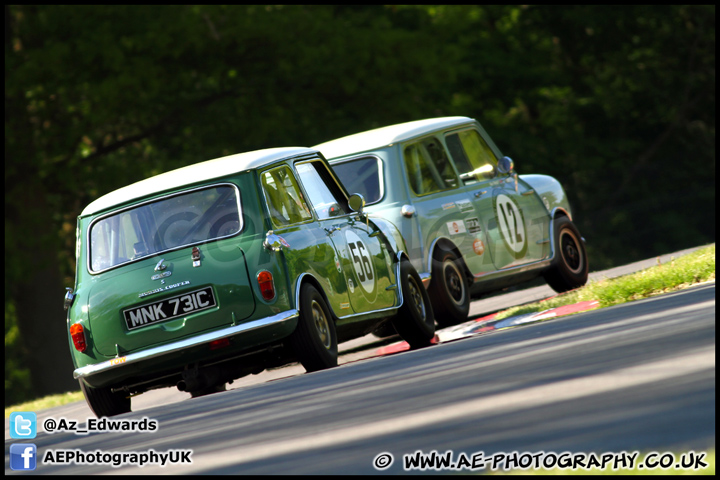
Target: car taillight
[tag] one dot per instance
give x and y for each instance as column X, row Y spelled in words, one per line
column 217, row 344
column 78, row 336
column 267, row 288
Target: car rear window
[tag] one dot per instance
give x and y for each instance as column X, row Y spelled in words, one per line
column 361, row 175
column 164, row 224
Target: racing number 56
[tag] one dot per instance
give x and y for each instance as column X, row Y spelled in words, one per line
column 363, row 261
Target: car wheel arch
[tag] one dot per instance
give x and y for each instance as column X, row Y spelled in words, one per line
column 307, row 278
column 445, row 244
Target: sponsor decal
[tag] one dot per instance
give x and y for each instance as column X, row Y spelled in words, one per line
column 448, row 206
column 465, row 205
column 118, row 361
column 473, row 225
column 344, row 306
column 456, row 227
column 479, row 246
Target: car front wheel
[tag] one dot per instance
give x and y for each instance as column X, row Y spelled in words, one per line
column 570, row 266
column 415, row 321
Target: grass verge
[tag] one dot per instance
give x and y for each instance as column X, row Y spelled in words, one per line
column 678, row 273
column 45, row 402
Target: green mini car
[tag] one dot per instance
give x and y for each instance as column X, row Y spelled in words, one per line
column 221, row 269
column 471, row 223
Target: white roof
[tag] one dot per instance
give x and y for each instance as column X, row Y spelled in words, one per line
column 381, row 137
column 198, row 172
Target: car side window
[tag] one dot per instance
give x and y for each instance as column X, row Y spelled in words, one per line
column 428, row 167
column 284, row 198
column 363, row 176
column 473, row 158
column 319, row 185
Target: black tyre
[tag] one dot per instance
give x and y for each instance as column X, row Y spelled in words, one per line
column 222, row 387
column 448, row 290
column 103, row 402
column 570, row 266
column 415, row 321
column 314, row 341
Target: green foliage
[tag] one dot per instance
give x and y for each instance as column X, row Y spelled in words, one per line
column 17, row 375
column 616, row 102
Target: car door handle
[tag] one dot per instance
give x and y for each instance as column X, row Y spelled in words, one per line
column 480, row 193
column 528, row 192
column 332, row 229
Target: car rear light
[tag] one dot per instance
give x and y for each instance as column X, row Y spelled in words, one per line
column 78, row 337
column 217, row 344
column 267, row 287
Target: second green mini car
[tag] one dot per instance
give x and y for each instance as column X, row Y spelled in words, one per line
column 204, row 274
column 471, row 223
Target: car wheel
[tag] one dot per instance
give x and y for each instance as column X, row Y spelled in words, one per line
column 570, row 266
column 103, row 402
column 449, row 290
column 415, row 321
column 314, row 341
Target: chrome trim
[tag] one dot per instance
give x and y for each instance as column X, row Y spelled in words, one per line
column 183, row 344
column 138, row 205
column 69, row 298
column 430, row 252
column 381, row 172
column 555, row 211
column 407, row 211
column 515, row 269
column 299, row 284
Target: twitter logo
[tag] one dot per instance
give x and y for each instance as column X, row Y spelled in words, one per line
column 23, row 425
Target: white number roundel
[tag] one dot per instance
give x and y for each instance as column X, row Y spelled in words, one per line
column 511, row 224
column 362, row 261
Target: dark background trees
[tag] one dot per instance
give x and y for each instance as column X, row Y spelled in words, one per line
column 618, row 103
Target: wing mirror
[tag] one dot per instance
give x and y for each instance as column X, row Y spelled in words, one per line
column 506, row 166
column 357, row 203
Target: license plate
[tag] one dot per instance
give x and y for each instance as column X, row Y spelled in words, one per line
column 174, row 307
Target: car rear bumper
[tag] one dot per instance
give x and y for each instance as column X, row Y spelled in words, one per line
column 157, row 354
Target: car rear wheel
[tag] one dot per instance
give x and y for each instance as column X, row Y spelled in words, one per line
column 415, row 321
column 449, row 289
column 570, row 266
column 314, row 341
column 103, row 402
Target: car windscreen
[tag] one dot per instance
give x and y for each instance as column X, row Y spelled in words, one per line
column 164, row 224
column 361, row 175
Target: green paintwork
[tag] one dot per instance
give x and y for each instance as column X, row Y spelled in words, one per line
column 327, row 252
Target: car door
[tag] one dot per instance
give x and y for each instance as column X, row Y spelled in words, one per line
column 307, row 248
column 363, row 259
column 443, row 204
column 511, row 214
